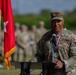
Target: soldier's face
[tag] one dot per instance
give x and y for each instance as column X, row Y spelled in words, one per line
column 57, row 25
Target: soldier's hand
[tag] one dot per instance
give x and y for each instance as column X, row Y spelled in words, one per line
column 59, row 65
column 24, row 46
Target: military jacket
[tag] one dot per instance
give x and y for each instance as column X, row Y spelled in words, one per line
column 66, row 49
column 40, row 33
column 23, row 39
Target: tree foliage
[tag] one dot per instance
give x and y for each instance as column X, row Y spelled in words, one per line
column 44, row 15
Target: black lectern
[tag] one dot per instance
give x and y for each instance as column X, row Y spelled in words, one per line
column 26, row 66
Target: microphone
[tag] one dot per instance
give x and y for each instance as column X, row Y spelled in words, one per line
column 54, row 41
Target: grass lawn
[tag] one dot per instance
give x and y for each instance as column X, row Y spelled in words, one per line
column 14, row 71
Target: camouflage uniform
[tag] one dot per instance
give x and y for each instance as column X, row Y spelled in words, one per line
column 1, row 45
column 41, row 30
column 23, row 42
column 15, row 56
column 1, row 48
column 33, row 34
column 66, row 51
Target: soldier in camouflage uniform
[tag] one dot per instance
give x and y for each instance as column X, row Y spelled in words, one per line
column 1, row 48
column 1, row 42
column 15, row 56
column 41, row 30
column 23, row 41
column 33, row 35
column 57, row 48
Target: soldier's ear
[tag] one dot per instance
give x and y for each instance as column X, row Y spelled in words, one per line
column 63, row 22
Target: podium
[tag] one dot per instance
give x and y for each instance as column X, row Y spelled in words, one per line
column 26, row 66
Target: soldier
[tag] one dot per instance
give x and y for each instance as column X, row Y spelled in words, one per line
column 15, row 56
column 41, row 30
column 57, row 48
column 1, row 48
column 33, row 35
column 17, row 29
column 1, row 42
column 23, row 42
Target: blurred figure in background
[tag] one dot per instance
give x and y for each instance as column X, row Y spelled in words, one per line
column 1, row 48
column 15, row 56
column 23, row 41
column 33, row 35
column 41, row 30
column 17, row 29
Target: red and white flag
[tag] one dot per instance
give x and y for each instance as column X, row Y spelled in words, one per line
column 9, row 35
column 0, row 12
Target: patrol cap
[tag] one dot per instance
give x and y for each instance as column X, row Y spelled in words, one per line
column 41, row 23
column 56, row 15
column 34, row 27
column 17, row 25
column 24, row 26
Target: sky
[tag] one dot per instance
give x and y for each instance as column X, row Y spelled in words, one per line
column 35, row 6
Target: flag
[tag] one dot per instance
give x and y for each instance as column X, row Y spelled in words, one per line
column 9, row 35
column 0, row 6
column 0, row 12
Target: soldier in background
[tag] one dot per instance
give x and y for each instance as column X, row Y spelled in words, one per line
column 1, row 42
column 17, row 29
column 33, row 36
column 41, row 30
column 57, row 48
column 23, row 42
column 1, row 48
column 15, row 56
